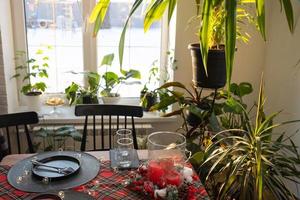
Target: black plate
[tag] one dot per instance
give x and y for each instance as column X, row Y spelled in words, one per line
column 68, row 195
column 57, row 161
column 89, row 168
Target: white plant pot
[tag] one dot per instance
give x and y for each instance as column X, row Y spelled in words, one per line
column 111, row 100
column 33, row 103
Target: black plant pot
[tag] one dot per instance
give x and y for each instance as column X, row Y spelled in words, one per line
column 192, row 119
column 150, row 98
column 89, row 100
column 216, row 68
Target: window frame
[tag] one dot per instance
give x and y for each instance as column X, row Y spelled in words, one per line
column 88, row 41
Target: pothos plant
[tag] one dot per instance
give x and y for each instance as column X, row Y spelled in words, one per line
column 255, row 165
column 32, row 71
column 110, row 81
column 54, row 139
column 78, row 94
column 205, row 11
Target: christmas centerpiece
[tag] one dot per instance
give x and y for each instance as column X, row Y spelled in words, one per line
column 166, row 175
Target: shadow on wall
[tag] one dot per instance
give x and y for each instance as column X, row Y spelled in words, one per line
column 3, row 99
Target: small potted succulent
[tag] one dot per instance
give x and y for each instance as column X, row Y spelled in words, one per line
column 32, row 71
column 112, row 81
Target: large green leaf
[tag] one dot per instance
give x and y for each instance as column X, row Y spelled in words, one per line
column 154, row 12
column 172, row 4
column 260, row 10
column 135, row 6
column 108, row 59
column 205, row 32
column 98, row 14
column 289, row 13
column 230, row 36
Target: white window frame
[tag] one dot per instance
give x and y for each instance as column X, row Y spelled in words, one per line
column 89, row 42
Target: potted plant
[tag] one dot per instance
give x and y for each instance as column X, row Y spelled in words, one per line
column 112, row 81
column 255, row 165
column 55, row 139
column 32, row 71
column 230, row 16
column 149, row 97
column 78, row 94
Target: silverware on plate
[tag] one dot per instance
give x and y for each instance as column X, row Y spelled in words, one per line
column 60, row 170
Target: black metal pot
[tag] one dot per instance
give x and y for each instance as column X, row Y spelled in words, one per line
column 192, row 119
column 150, row 98
column 90, row 100
column 216, row 68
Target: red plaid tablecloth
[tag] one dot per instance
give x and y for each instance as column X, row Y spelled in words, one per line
column 109, row 186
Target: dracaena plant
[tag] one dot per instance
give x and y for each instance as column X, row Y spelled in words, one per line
column 255, row 165
column 206, row 10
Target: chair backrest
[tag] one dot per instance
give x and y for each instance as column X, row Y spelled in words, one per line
column 119, row 111
column 18, row 120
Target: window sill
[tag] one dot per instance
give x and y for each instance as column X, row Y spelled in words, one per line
column 66, row 114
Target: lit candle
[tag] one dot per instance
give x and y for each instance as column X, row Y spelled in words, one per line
column 173, row 178
column 155, row 172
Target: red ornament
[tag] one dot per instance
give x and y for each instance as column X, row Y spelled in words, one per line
column 173, row 178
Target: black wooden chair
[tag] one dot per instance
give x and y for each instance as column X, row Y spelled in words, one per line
column 17, row 120
column 121, row 112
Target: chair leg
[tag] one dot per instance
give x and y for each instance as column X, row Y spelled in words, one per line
column 84, row 133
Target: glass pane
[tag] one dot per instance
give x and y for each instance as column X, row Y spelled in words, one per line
column 57, row 23
column 141, row 49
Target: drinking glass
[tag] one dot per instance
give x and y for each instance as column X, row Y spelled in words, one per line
column 123, row 133
column 124, row 146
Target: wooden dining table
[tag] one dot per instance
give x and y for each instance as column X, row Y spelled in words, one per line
column 109, row 181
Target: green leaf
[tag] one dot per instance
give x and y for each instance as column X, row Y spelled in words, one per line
column 98, row 15
column 110, row 78
column 135, row 6
column 26, row 88
column 71, row 92
column 245, row 89
column 108, row 59
column 173, row 113
column 35, row 66
column 41, row 86
column 205, row 31
column 197, row 158
column 198, row 6
column 164, row 103
column 15, row 76
column 43, row 73
column 289, row 13
column 39, row 51
column 172, row 4
column 173, row 84
column 132, row 74
column 154, row 12
column 93, row 80
column 230, row 36
column 260, row 10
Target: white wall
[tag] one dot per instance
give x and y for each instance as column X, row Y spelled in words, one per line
column 282, row 76
column 8, row 53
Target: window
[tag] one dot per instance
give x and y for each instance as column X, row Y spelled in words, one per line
column 62, row 25
column 58, row 24
column 141, row 49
